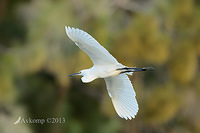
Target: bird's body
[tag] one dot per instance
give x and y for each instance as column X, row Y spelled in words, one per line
column 106, row 66
column 100, row 72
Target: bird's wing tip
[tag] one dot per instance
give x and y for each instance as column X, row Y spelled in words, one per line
column 67, row 28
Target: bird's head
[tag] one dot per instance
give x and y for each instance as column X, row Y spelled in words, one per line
column 87, row 77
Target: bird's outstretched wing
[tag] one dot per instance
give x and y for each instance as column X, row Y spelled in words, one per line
column 122, row 94
column 98, row 54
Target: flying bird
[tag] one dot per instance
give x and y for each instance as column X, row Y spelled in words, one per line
column 114, row 73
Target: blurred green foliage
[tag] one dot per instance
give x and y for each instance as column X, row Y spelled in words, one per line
column 36, row 55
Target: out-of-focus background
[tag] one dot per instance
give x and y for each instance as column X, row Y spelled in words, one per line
column 36, row 56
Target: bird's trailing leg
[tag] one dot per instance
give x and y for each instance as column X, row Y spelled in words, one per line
column 134, row 69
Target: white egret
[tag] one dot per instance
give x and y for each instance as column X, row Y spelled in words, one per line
column 106, row 66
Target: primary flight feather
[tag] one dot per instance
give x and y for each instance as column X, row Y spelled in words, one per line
column 106, row 66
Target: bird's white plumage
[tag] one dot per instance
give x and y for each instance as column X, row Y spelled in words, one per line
column 122, row 94
column 98, row 54
column 119, row 87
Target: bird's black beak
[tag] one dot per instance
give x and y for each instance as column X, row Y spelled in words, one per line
column 78, row 73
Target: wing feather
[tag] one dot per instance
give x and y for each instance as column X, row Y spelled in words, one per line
column 98, row 54
column 123, row 95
